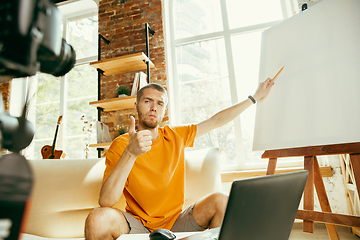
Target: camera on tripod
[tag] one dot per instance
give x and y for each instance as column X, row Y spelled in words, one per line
column 30, row 40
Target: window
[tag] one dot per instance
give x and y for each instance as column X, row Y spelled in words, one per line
column 69, row 95
column 214, row 57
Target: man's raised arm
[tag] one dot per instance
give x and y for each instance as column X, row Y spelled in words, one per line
column 223, row 117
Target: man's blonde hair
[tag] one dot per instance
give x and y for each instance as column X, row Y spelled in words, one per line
column 152, row 86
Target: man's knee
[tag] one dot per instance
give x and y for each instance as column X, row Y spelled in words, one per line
column 98, row 216
column 219, row 199
column 105, row 223
column 214, row 201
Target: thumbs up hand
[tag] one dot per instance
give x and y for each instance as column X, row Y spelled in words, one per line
column 132, row 126
column 140, row 142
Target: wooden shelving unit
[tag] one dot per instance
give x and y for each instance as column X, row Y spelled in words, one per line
column 118, row 65
column 123, row 64
column 101, row 145
column 115, row 103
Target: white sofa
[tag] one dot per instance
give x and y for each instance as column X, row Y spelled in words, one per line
column 65, row 191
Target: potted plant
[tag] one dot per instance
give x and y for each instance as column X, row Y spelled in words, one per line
column 123, row 91
column 120, row 129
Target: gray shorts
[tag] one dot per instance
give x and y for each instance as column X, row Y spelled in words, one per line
column 184, row 223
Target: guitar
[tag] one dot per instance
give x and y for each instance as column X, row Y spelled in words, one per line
column 49, row 152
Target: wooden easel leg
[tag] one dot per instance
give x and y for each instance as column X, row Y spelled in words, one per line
column 355, row 163
column 271, row 166
column 308, row 226
column 323, row 199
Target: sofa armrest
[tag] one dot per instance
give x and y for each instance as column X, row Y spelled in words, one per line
column 64, row 193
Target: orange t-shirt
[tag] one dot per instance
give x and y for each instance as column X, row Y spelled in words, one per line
column 154, row 190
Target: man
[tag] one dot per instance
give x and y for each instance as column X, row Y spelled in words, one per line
column 147, row 166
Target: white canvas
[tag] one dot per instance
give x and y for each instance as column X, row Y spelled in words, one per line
column 316, row 98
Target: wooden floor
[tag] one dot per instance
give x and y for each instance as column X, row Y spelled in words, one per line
column 320, row 233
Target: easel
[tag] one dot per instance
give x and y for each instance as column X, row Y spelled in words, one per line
column 308, row 215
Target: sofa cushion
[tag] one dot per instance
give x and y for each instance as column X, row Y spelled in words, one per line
column 202, row 173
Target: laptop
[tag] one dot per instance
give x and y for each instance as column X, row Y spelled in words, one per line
column 260, row 208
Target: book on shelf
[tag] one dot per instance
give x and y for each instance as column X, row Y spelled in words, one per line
column 102, row 131
column 139, row 82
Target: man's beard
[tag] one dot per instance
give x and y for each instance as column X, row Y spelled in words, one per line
column 148, row 123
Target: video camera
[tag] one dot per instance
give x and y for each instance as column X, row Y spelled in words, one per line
column 30, row 40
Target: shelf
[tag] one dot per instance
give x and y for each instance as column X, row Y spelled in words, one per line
column 123, row 64
column 101, row 145
column 115, row 103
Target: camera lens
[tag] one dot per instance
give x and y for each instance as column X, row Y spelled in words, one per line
column 61, row 64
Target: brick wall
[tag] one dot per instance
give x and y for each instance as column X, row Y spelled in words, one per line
column 123, row 23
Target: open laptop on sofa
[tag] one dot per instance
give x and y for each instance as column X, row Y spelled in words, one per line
column 260, row 208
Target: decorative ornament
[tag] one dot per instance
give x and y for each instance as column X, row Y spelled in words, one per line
column 87, row 128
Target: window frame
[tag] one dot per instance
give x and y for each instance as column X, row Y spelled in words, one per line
column 226, row 33
column 63, row 84
column 16, row 105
